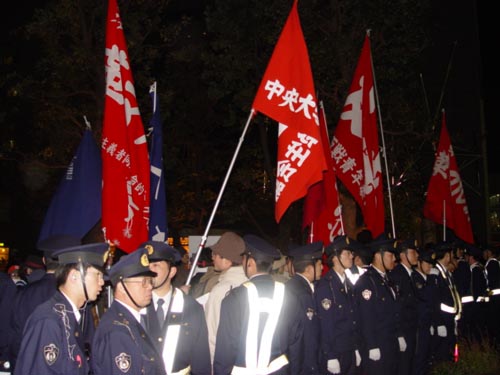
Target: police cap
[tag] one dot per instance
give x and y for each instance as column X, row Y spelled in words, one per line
column 158, row 251
column 259, row 248
column 384, row 243
column 57, row 242
column 427, row 255
column 474, row 251
column 443, row 247
column 309, row 252
column 134, row 264
column 95, row 254
column 410, row 243
column 339, row 243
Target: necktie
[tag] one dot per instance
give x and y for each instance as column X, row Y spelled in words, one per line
column 159, row 311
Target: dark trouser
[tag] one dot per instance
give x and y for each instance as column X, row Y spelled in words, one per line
column 388, row 362
column 423, row 358
column 406, row 358
column 444, row 346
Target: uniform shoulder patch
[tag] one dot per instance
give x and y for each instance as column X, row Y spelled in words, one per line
column 326, row 303
column 50, row 353
column 123, row 361
column 366, row 294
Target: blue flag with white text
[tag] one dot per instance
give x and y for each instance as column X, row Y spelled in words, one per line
column 158, row 230
column 76, row 205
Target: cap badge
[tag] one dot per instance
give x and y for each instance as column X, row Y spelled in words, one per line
column 367, row 294
column 105, row 256
column 123, row 362
column 150, row 249
column 310, row 313
column 144, row 260
column 51, row 353
column 326, row 303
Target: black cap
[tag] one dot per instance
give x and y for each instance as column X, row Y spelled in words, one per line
column 134, row 264
column 427, row 255
column 57, row 242
column 309, row 252
column 384, row 243
column 339, row 243
column 470, row 249
column 259, row 248
column 95, row 254
column 410, row 243
column 443, row 247
column 158, row 251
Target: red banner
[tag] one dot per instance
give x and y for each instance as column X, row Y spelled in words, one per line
column 322, row 210
column 445, row 201
column 126, row 186
column 355, row 148
column 287, row 95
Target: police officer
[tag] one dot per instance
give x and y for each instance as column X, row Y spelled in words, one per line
column 121, row 345
column 450, row 306
column 461, row 272
column 53, row 342
column 474, row 300
column 307, row 263
column 174, row 320
column 36, row 293
column 379, row 311
column 362, row 260
column 261, row 325
column 339, row 338
column 425, row 283
column 492, row 270
column 400, row 277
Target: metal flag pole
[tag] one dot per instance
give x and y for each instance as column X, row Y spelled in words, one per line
column 228, row 173
column 383, row 142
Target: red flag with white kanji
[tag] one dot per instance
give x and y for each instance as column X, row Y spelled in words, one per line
column 286, row 94
column 445, row 201
column 125, row 160
column 355, row 148
column 322, row 210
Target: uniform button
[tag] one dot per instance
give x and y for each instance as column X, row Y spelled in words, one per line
column 143, row 335
column 77, row 334
column 174, row 316
column 160, row 339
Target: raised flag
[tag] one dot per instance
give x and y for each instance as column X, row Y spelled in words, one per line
column 287, row 95
column 322, row 210
column 126, row 180
column 445, row 201
column 355, row 148
column 158, row 229
column 75, row 207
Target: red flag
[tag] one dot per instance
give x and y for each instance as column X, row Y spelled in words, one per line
column 287, row 95
column 445, row 201
column 355, row 149
column 322, row 211
column 125, row 190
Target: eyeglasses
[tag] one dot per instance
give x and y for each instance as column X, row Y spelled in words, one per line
column 99, row 275
column 147, row 281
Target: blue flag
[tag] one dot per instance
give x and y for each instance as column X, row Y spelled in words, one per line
column 158, row 230
column 76, row 206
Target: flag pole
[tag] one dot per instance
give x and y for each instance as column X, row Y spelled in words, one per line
column 383, row 142
column 228, row 173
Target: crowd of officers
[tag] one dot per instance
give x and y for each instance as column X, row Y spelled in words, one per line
column 382, row 307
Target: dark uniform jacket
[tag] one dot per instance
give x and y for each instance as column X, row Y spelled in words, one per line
column 337, row 316
column 379, row 318
column 52, row 341
column 122, row 346
column 300, row 287
column 7, row 294
column 407, row 298
column 230, row 347
column 492, row 269
column 27, row 299
column 192, row 347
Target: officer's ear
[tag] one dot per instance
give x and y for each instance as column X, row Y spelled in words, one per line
column 173, row 272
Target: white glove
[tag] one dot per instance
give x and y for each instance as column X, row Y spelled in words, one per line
column 358, row 357
column 374, row 354
column 402, row 344
column 431, row 330
column 333, row 366
column 441, row 331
